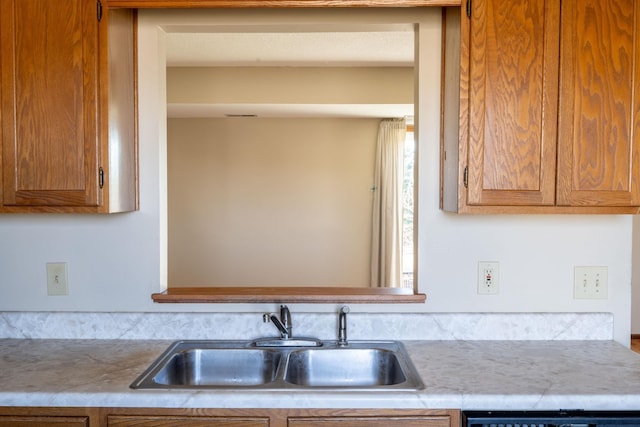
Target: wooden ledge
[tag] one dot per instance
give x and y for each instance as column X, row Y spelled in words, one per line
column 312, row 295
column 143, row 4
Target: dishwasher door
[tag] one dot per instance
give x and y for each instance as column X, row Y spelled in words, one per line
column 561, row 418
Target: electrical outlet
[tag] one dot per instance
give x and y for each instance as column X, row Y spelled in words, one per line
column 488, row 275
column 57, row 278
column 590, row 283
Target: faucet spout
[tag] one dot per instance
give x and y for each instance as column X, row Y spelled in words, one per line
column 284, row 332
column 285, row 326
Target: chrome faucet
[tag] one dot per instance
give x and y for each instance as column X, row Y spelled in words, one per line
column 283, row 323
column 342, row 327
column 285, row 326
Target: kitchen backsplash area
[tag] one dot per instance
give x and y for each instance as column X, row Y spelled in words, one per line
column 361, row 326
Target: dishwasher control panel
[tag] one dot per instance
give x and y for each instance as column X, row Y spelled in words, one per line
column 560, row 418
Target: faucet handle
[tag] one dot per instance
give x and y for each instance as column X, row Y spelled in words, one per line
column 285, row 318
column 342, row 327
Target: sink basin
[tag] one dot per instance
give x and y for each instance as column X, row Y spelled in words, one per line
column 210, row 364
column 359, row 367
column 219, row 367
column 241, row 365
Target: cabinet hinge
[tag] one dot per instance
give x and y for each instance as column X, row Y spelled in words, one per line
column 465, row 178
column 469, row 8
column 101, row 177
column 99, row 10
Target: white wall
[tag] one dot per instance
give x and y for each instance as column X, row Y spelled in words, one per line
column 115, row 261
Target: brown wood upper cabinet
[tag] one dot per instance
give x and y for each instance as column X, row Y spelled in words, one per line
column 543, row 117
column 67, row 111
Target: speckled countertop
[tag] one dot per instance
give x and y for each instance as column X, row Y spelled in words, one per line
column 457, row 374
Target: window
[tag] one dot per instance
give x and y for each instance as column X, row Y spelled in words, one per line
column 408, row 209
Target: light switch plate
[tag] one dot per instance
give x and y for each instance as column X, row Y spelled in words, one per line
column 57, row 283
column 590, row 283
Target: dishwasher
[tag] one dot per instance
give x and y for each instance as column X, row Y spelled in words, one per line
column 561, row 418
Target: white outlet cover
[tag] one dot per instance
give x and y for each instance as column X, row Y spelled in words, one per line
column 488, row 286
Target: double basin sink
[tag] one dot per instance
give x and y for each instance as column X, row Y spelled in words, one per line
column 361, row 365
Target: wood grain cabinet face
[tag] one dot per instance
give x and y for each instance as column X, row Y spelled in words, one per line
column 513, row 90
column 55, row 128
column 49, row 68
column 177, row 421
column 417, row 421
column 228, row 417
column 548, row 108
column 598, row 148
column 43, row 421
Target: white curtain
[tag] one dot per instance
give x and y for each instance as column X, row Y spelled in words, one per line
column 386, row 236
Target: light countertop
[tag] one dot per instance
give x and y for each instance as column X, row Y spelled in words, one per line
column 457, row 374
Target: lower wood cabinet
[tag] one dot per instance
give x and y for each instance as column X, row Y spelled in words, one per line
column 373, row 421
column 182, row 421
column 179, row 417
column 48, row 417
column 43, row 421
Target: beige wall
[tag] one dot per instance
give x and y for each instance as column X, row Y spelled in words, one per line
column 278, row 201
column 290, row 85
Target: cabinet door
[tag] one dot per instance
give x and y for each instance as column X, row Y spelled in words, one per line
column 181, row 421
column 513, row 85
column 381, row 421
column 27, row 421
column 599, row 128
column 48, row 60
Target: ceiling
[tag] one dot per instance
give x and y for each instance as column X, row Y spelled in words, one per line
column 220, row 47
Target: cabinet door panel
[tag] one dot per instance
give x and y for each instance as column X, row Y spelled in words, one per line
column 175, row 421
column 513, row 93
column 382, row 421
column 49, row 83
column 26, row 421
column 598, row 140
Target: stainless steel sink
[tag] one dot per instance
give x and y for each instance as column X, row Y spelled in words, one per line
column 348, row 367
column 211, row 364
column 361, row 365
column 219, row 367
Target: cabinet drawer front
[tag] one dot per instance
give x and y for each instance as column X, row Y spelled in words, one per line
column 18, row 421
column 418, row 421
column 169, row 421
